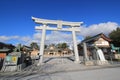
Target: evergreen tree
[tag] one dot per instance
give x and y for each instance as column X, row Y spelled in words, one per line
column 115, row 36
column 34, row 45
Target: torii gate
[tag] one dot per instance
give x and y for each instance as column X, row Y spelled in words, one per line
column 59, row 24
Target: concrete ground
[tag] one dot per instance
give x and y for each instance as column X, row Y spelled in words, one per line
column 98, row 74
column 64, row 69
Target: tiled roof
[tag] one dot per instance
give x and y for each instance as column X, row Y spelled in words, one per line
column 96, row 37
column 4, row 50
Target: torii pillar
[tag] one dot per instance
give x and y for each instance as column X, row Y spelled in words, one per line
column 59, row 24
column 42, row 43
column 77, row 60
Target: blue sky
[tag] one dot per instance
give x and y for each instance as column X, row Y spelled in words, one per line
column 16, row 25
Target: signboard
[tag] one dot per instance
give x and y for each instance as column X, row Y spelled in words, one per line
column 8, row 58
column 11, row 60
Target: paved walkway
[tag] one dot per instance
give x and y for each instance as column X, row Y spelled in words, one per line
column 53, row 66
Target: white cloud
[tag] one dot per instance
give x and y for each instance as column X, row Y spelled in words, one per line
column 37, row 36
column 55, row 37
column 58, row 36
column 94, row 29
column 25, row 38
column 4, row 38
column 15, row 39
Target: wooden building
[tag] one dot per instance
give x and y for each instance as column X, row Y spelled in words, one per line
column 99, row 40
column 5, row 49
column 3, row 54
column 54, row 51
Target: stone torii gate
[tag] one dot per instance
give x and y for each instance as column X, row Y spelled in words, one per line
column 59, row 24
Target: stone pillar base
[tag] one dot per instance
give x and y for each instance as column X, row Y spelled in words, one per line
column 89, row 63
column 116, row 56
column 98, row 62
column 77, row 62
